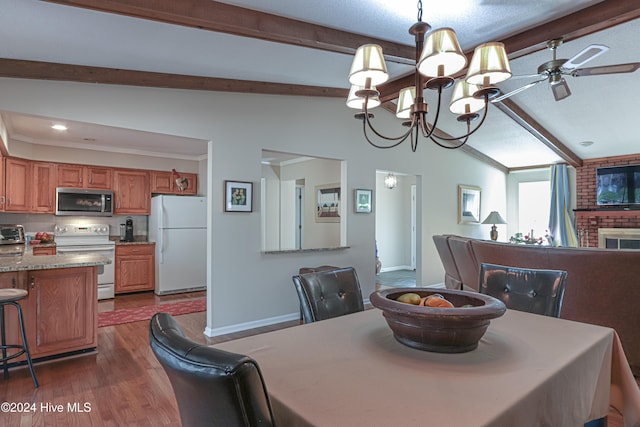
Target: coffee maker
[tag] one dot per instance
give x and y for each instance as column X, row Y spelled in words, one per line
column 128, row 230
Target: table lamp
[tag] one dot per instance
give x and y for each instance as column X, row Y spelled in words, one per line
column 494, row 218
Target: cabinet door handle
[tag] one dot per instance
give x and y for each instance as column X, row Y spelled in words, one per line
column 13, row 282
column 33, row 282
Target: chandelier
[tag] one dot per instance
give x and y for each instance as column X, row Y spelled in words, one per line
column 437, row 60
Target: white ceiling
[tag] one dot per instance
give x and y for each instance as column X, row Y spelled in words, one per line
column 41, row 31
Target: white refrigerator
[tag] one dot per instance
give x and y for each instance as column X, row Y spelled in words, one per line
column 178, row 226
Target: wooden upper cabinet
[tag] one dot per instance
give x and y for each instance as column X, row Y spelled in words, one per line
column 131, row 192
column 17, row 185
column 99, row 178
column 81, row 176
column 165, row 183
column 44, row 187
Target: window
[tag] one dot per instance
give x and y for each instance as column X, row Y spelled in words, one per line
column 534, row 200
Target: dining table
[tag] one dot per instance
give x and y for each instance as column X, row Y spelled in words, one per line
column 528, row 370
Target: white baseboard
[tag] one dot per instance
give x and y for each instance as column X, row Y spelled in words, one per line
column 398, row 267
column 214, row 332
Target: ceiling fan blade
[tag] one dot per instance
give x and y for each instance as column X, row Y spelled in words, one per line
column 606, row 69
column 560, row 90
column 584, row 56
column 513, row 92
column 529, row 76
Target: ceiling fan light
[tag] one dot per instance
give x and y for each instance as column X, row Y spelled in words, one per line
column 463, row 101
column 368, row 63
column 357, row 102
column 405, row 101
column 441, row 54
column 489, row 64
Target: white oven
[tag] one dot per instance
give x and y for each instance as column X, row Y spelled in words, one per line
column 90, row 238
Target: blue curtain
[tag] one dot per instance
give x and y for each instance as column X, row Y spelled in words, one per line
column 561, row 228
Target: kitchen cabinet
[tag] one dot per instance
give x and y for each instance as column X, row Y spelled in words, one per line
column 17, row 185
column 131, row 192
column 165, row 183
column 3, row 199
column 43, row 250
column 44, row 187
column 61, row 310
column 83, row 176
column 135, row 268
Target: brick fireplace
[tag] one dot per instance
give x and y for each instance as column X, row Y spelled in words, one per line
column 589, row 219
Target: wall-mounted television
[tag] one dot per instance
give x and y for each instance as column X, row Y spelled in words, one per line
column 618, row 185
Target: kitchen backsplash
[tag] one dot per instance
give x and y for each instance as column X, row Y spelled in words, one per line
column 33, row 223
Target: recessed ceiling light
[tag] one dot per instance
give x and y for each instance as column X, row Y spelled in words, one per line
column 59, row 127
column 586, row 143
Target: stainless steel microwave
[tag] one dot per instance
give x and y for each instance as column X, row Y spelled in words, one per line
column 76, row 201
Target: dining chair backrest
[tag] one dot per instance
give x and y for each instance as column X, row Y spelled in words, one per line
column 211, row 386
column 525, row 289
column 329, row 293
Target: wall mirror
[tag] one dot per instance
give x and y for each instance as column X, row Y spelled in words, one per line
column 302, row 202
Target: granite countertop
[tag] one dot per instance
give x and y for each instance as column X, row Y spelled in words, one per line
column 28, row 261
column 137, row 240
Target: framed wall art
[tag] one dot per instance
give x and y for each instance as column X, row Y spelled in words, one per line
column 238, row 196
column 363, row 201
column 468, row 204
column 328, row 203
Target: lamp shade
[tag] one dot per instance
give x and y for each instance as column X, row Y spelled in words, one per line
column 441, row 54
column 405, row 101
column 489, row 65
column 368, row 63
column 390, row 181
column 494, row 218
column 357, row 102
column 462, row 101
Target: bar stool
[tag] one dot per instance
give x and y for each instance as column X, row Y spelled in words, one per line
column 11, row 296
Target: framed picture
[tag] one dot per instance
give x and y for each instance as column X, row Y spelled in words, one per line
column 238, row 196
column 468, row 204
column 363, row 201
column 328, row 203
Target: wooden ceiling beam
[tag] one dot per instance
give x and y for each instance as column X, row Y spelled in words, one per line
column 223, row 18
column 79, row 73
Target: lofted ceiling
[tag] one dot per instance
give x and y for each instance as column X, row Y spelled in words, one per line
column 295, row 47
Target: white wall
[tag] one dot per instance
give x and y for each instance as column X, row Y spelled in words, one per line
column 247, row 287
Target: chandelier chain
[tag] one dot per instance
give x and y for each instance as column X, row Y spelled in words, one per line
column 419, row 10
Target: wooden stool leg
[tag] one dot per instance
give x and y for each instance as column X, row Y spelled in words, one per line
column 5, row 368
column 26, row 346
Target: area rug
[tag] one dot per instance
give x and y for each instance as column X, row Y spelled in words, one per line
column 128, row 315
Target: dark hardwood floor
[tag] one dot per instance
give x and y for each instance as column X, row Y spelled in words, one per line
column 121, row 384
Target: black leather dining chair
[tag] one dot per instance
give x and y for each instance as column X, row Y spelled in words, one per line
column 525, row 289
column 329, row 293
column 212, row 387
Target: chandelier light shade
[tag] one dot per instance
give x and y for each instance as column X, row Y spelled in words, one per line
column 368, row 67
column 463, row 101
column 494, row 218
column 489, row 65
column 441, row 55
column 405, row 101
column 390, row 181
column 438, row 58
column 354, row 101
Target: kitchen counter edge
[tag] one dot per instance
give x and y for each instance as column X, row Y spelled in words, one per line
column 30, row 262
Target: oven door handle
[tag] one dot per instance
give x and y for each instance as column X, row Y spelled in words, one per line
column 85, row 249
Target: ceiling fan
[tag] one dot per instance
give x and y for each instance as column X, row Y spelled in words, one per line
column 554, row 71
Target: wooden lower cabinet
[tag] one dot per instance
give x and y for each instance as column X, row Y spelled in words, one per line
column 43, row 250
column 61, row 311
column 135, row 268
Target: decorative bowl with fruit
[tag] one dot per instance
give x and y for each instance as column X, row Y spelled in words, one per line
column 42, row 237
column 437, row 320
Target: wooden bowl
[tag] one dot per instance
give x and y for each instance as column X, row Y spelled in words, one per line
column 440, row 330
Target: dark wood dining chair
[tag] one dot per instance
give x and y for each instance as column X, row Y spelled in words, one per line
column 211, row 386
column 329, row 293
column 525, row 289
